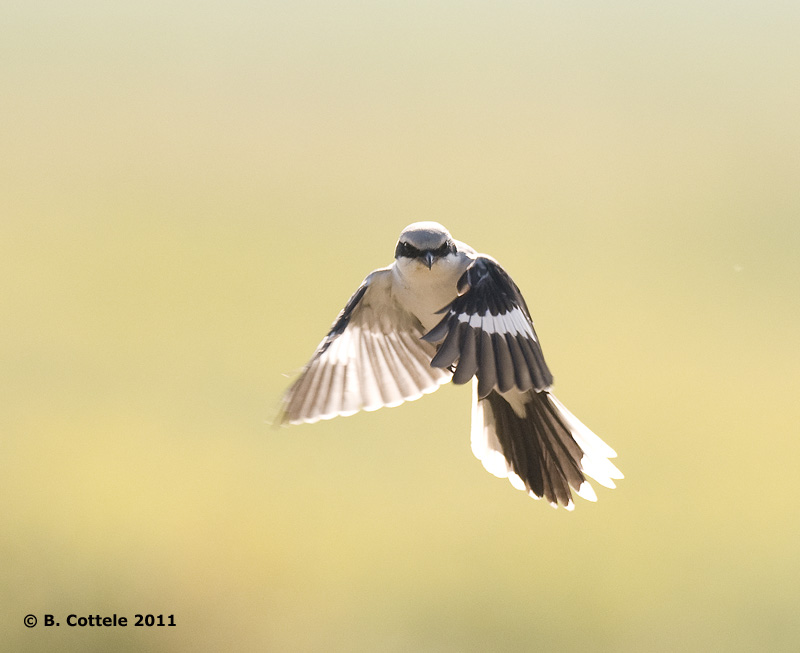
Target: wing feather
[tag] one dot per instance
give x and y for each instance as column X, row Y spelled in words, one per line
column 522, row 374
column 373, row 356
column 490, row 303
column 468, row 357
column 486, row 363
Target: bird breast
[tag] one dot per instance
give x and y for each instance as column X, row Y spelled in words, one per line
column 425, row 292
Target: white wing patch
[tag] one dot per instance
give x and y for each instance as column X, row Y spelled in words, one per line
column 514, row 323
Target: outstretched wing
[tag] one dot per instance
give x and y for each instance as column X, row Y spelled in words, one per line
column 373, row 356
column 487, row 331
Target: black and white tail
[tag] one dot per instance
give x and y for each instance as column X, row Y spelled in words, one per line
column 542, row 448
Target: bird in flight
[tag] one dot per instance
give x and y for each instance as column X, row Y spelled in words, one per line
column 443, row 312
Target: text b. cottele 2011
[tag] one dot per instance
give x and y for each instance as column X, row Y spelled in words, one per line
column 112, row 621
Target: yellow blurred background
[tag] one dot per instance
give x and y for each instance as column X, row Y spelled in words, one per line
column 190, row 193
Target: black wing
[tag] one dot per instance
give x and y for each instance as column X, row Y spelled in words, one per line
column 487, row 331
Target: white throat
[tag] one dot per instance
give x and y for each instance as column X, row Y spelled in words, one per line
column 424, row 292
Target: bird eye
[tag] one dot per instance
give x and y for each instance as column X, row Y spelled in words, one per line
column 406, row 250
column 447, row 248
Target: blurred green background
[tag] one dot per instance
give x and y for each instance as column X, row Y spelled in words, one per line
column 190, row 193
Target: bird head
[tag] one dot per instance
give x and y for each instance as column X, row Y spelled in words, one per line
column 424, row 243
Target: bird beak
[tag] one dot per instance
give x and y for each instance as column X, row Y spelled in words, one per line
column 428, row 259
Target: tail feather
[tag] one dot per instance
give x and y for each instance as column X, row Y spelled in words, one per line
column 531, row 438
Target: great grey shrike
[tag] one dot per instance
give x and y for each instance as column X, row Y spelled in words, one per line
column 443, row 312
